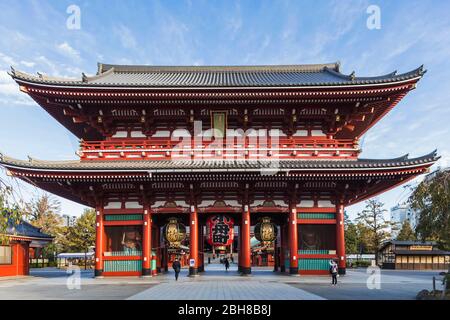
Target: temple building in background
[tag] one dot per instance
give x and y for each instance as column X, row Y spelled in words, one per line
column 23, row 243
column 175, row 158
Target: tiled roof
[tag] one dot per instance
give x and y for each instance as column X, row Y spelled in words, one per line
column 25, row 229
column 412, row 242
column 219, row 76
column 215, row 165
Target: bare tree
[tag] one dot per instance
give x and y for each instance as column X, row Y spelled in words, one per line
column 373, row 218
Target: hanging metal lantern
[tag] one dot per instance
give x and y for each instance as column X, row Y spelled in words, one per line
column 220, row 229
column 174, row 232
column 266, row 231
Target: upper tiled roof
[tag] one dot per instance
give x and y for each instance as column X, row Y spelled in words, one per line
column 218, row 76
column 215, row 165
column 26, row 229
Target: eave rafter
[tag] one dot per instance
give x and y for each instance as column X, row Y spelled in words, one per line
column 351, row 123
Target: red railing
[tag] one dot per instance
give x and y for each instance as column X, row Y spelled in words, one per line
column 165, row 147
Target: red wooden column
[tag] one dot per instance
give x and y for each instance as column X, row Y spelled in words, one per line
column 99, row 232
column 293, row 241
column 147, row 243
column 154, row 244
column 340, row 238
column 282, row 247
column 240, row 249
column 246, row 267
column 193, row 245
column 201, row 263
column 276, row 256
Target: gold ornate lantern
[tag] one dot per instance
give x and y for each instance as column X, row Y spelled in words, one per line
column 266, row 231
column 174, row 232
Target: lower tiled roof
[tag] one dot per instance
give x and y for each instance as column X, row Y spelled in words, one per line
column 213, row 165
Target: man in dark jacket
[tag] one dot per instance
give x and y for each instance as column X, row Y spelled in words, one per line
column 176, row 265
column 226, row 263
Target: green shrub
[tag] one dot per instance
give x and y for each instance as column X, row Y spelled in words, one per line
column 361, row 264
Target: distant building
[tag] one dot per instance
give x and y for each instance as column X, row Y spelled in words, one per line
column 401, row 213
column 69, row 221
column 413, row 255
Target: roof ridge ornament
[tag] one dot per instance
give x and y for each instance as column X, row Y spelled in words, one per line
column 13, row 71
column 352, row 76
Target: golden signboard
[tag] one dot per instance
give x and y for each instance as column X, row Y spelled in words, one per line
column 426, row 248
column 219, row 123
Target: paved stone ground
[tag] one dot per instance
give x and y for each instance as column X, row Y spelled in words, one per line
column 51, row 284
column 215, row 283
column 395, row 285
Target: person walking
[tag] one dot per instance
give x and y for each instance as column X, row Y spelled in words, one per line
column 334, row 272
column 176, row 265
column 226, row 263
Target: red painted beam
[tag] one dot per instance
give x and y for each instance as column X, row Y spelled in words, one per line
column 124, row 223
column 316, row 221
column 120, row 258
column 317, row 256
column 122, row 274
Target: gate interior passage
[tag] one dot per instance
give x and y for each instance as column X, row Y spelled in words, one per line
column 188, row 143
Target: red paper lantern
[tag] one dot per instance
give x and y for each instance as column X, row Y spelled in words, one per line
column 220, row 230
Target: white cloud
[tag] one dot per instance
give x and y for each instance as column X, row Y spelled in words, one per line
column 65, row 49
column 28, row 64
column 9, row 91
column 7, row 60
column 126, row 37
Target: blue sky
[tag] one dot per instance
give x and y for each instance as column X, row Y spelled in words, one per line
column 34, row 38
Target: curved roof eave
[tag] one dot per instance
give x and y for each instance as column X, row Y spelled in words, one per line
column 159, row 166
column 321, row 80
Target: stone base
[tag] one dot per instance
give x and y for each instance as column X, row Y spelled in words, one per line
column 193, row 272
column 293, row 271
column 341, row 271
column 98, row 273
column 246, row 270
column 146, row 272
column 282, row 269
